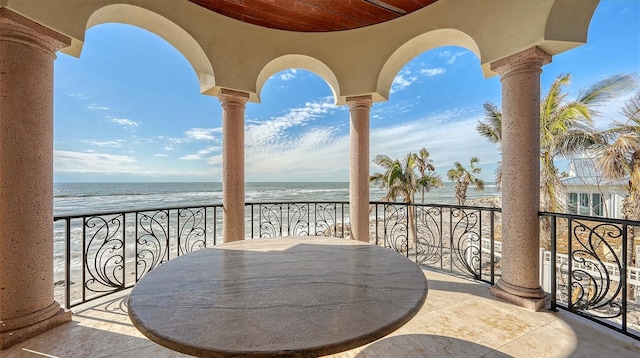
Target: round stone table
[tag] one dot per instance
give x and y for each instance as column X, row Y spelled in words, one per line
column 302, row 297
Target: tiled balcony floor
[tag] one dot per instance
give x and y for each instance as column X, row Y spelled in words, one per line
column 459, row 319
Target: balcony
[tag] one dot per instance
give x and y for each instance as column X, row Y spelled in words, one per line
column 100, row 256
column 459, row 319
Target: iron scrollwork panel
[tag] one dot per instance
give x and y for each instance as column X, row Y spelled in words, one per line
column 104, row 253
column 326, row 223
column 465, row 240
column 593, row 292
column 191, row 230
column 270, row 220
column 396, row 234
column 298, row 219
column 429, row 235
column 152, row 243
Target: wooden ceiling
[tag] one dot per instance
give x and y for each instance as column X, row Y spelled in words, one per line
column 313, row 15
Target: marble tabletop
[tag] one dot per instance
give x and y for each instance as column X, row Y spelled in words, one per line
column 301, row 297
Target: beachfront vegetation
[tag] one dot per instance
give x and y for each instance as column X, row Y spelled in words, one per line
column 619, row 160
column 401, row 180
column 464, row 177
column 566, row 129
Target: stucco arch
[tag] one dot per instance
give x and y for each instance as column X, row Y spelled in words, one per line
column 416, row 46
column 165, row 28
column 298, row 61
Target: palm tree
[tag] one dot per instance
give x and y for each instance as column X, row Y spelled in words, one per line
column 401, row 181
column 427, row 180
column 566, row 128
column 619, row 160
column 399, row 177
column 464, row 177
column 492, row 130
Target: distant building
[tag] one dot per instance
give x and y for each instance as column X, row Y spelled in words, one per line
column 589, row 193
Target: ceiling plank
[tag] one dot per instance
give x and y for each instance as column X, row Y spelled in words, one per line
column 311, row 15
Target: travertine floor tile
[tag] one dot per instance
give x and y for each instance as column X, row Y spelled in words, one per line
column 459, row 319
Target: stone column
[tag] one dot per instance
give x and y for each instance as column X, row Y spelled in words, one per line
column 520, row 77
column 233, row 103
column 27, row 52
column 359, row 109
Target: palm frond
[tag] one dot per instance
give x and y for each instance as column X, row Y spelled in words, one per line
column 492, row 128
column 606, row 89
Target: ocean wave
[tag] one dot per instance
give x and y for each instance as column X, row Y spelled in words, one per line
column 78, row 195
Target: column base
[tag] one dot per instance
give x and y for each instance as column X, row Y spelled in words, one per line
column 10, row 338
column 533, row 300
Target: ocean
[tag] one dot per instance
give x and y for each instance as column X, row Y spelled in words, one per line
column 71, row 199
column 86, row 198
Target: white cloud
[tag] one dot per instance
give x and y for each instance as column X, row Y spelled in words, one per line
column 203, row 134
column 208, row 150
column 78, row 95
column 190, row 157
column 288, row 75
column 452, row 56
column 95, row 106
column 160, row 155
column 91, row 162
column 446, row 141
column 169, row 148
column 110, row 143
column 321, row 153
column 274, row 130
column 201, row 153
column 430, row 72
column 406, row 77
column 402, row 81
column 126, row 123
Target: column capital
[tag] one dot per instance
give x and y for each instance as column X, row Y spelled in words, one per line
column 19, row 29
column 359, row 102
column 531, row 59
column 230, row 96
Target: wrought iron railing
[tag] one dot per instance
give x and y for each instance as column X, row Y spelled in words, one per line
column 109, row 252
column 460, row 239
column 298, row 219
column 595, row 277
column 591, row 275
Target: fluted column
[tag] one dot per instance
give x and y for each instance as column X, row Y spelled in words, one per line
column 359, row 109
column 233, row 104
column 27, row 52
column 520, row 77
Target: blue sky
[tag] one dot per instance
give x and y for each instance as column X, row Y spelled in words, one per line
column 129, row 109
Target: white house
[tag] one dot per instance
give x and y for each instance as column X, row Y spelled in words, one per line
column 589, row 193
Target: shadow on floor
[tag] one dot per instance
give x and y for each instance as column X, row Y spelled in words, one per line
column 426, row 345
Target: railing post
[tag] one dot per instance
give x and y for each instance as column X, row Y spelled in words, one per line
column 259, row 220
column 408, row 227
column 440, row 231
column 480, row 243
column 623, row 276
column 376, row 223
column 492, row 243
column 335, row 207
column 124, row 251
column 554, row 252
column 569, row 266
column 215, row 224
column 451, row 257
column 135, row 247
column 252, row 223
column 67, row 254
column 84, row 256
column 205, row 226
